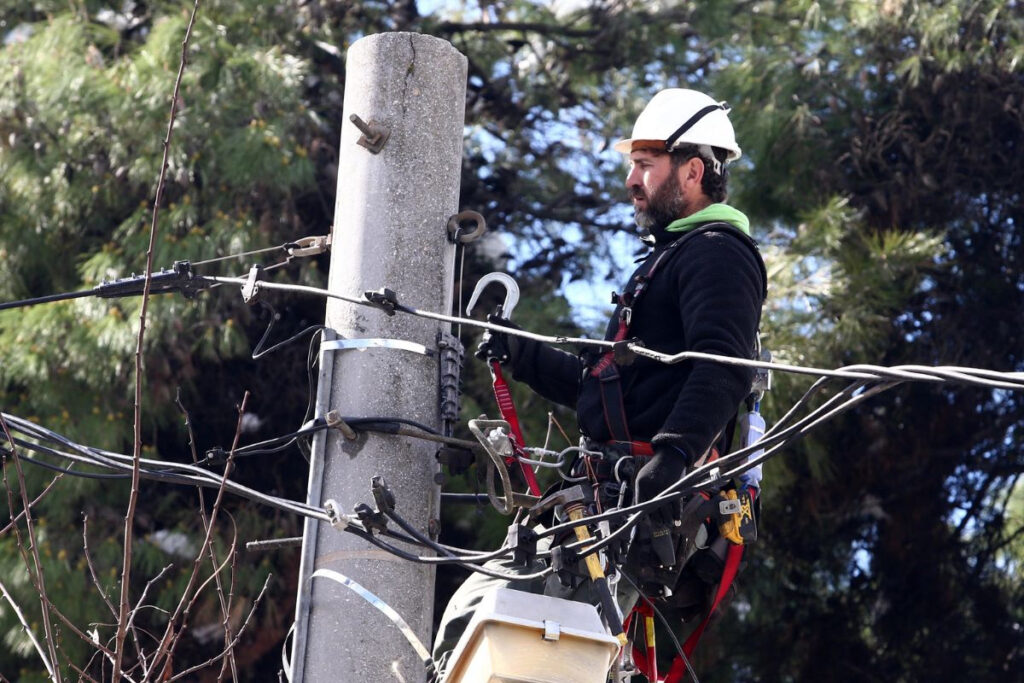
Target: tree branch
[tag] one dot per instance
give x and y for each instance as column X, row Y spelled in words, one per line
column 40, row 579
column 129, row 518
column 450, row 27
column 230, row 648
column 225, row 605
column 14, row 520
column 28, row 631
column 169, row 640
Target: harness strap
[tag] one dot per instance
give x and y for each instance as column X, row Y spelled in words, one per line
column 605, row 370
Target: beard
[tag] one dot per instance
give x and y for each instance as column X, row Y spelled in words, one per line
column 665, row 205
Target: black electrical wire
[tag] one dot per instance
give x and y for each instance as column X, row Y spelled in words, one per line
column 67, row 470
column 425, row 540
column 357, row 421
column 312, row 359
column 165, row 471
column 460, row 554
column 46, row 299
column 259, row 351
column 665, row 623
column 369, row 537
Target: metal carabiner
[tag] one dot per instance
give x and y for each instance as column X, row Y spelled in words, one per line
column 511, row 293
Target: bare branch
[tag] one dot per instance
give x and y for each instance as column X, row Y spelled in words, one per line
column 133, row 497
column 15, row 520
column 519, row 26
column 40, row 580
column 169, row 639
column 92, row 569
column 225, row 605
column 195, row 596
column 82, row 675
column 229, row 660
column 231, row 647
column 142, row 599
column 28, row 631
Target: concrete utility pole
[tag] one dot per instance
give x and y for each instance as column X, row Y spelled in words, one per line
column 390, row 222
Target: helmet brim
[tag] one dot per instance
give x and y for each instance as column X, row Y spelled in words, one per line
column 627, row 145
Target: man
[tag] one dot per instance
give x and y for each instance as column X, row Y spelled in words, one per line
column 699, row 289
column 705, row 296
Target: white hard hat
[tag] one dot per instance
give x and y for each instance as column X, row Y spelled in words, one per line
column 677, row 116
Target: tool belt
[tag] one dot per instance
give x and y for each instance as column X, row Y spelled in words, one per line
column 679, row 551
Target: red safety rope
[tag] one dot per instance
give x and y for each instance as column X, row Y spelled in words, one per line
column 508, row 413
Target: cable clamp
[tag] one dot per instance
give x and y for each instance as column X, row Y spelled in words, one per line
column 251, row 288
column 384, row 299
column 762, row 376
column 180, row 278
column 382, row 495
column 309, row 246
column 339, row 520
column 622, row 354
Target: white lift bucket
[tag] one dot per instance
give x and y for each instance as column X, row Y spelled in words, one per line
column 518, row 637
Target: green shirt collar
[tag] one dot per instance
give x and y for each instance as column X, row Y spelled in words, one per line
column 714, row 213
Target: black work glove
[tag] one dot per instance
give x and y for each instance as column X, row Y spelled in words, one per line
column 495, row 345
column 667, row 466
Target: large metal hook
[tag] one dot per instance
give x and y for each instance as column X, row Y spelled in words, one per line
column 511, row 293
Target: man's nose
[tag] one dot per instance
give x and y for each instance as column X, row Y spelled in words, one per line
column 633, row 178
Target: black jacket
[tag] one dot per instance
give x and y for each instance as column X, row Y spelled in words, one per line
column 705, row 296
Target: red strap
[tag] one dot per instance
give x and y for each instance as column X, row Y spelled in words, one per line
column 732, row 564
column 642, row 448
column 508, row 413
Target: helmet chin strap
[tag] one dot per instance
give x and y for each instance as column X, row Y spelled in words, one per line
column 705, row 150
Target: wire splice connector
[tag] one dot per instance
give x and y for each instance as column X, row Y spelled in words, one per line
column 179, row 278
column 339, row 520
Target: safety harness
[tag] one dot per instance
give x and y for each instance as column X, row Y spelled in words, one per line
column 606, row 369
column 729, row 509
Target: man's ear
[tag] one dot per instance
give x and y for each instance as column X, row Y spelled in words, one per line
column 690, row 174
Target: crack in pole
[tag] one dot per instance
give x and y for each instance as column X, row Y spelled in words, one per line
column 408, row 73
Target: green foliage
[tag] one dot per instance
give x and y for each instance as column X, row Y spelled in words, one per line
column 881, row 171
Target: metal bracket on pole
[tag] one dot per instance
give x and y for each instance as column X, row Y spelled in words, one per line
column 452, row 352
column 374, row 134
column 376, row 343
column 456, row 231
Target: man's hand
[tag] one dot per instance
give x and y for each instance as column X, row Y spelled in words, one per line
column 495, row 345
column 667, row 466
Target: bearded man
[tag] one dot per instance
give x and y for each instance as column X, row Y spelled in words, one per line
column 700, row 288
